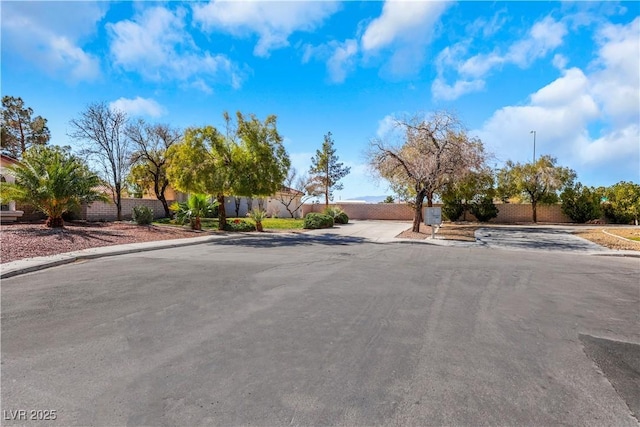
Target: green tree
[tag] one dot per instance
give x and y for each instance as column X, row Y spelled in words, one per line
column 149, row 158
column 434, row 152
column 473, row 188
column 19, row 129
column 249, row 160
column 326, row 171
column 262, row 158
column 622, row 202
column 101, row 130
column 537, row 182
column 203, row 163
column 388, row 199
column 581, row 203
column 53, row 181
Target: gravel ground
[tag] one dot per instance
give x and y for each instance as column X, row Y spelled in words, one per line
column 20, row 241
column 600, row 237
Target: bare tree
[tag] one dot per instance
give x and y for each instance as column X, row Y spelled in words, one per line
column 149, row 158
column 432, row 152
column 297, row 190
column 101, row 129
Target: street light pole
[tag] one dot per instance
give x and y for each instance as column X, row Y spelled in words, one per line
column 534, row 145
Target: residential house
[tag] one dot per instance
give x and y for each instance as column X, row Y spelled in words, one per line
column 8, row 212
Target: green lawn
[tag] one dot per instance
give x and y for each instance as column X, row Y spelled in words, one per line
column 283, row 223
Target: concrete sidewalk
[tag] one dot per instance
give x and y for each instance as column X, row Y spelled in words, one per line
column 375, row 231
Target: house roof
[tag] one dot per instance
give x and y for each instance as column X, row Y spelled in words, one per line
column 6, row 159
column 286, row 189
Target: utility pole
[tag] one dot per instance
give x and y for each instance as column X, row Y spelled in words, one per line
column 534, row 145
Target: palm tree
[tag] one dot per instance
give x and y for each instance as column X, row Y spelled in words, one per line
column 52, row 180
column 197, row 206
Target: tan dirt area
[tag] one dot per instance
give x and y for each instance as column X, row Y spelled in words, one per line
column 600, row 237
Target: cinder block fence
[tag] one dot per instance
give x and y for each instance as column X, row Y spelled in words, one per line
column 508, row 213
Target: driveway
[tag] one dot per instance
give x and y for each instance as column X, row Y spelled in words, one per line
column 305, row 330
column 377, row 231
column 538, row 238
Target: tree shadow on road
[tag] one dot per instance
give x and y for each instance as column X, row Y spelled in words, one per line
column 272, row 241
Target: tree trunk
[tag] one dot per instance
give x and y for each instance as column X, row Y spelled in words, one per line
column 119, row 201
column 165, row 206
column 54, row 222
column 222, row 214
column 534, row 205
column 417, row 216
column 197, row 225
column 259, row 226
column 160, row 196
column 237, row 201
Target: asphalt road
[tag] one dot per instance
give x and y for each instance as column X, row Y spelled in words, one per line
column 311, row 330
column 537, row 238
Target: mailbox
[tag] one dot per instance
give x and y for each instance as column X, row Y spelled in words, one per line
column 433, row 216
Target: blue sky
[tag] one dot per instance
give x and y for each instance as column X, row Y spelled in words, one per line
column 569, row 70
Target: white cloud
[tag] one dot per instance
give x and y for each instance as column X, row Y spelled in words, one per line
column 568, row 111
column 441, row 90
column 51, row 37
column 560, row 61
column 273, row 22
column 617, row 84
column 342, row 60
column 543, row 37
column 156, row 45
column 611, row 148
column 402, row 21
column 405, row 27
column 138, row 107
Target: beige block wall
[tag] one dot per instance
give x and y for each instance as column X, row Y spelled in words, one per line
column 507, row 213
column 100, row 211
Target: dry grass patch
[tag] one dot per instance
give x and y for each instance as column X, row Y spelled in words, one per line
column 601, row 238
column 462, row 232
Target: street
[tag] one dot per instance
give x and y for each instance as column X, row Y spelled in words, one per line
column 310, row 330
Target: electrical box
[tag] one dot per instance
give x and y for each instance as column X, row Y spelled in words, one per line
column 433, row 216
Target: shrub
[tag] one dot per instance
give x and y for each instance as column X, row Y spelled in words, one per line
column 452, row 208
column 196, row 207
column 580, row 203
column 142, row 215
column 317, row 220
column 484, row 209
column 239, row 225
column 339, row 216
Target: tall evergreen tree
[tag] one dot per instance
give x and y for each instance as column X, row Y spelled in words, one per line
column 326, row 171
column 19, row 130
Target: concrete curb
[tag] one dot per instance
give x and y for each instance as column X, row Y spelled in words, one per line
column 28, row 265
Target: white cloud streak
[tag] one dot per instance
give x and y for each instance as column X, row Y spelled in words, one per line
column 138, row 106
column 272, row 22
column 51, row 37
column 157, row 45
